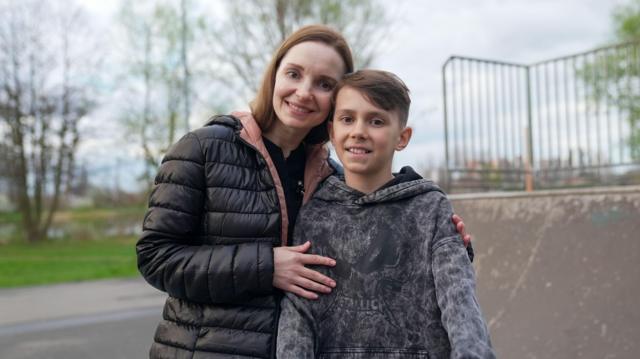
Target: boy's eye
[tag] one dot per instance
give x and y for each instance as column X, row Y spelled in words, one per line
column 377, row 122
column 346, row 119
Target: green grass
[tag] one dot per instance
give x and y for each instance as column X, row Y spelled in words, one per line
column 9, row 217
column 81, row 214
column 51, row 262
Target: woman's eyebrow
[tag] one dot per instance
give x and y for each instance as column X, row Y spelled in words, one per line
column 293, row 64
column 301, row 68
column 327, row 77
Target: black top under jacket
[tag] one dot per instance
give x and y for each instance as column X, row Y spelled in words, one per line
column 291, row 172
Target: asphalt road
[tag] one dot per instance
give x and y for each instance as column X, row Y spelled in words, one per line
column 112, row 319
column 96, row 337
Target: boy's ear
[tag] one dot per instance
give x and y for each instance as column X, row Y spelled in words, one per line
column 405, row 137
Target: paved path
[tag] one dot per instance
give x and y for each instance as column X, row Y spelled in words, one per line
column 101, row 319
column 46, row 303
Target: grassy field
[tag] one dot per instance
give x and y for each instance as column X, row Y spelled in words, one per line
column 66, row 261
column 85, row 244
column 81, row 214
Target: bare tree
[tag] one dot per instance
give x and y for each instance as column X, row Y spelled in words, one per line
column 43, row 96
column 254, row 28
column 157, row 69
column 179, row 55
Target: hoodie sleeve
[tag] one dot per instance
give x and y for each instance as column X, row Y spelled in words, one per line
column 169, row 255
column 296, row 328
column 455, row 291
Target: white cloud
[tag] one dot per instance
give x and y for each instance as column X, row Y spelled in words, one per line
column 509, row 30
column 426, row 34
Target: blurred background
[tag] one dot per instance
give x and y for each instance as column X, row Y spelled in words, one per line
column 528, row 112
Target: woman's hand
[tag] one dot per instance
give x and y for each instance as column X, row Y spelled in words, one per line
column 290, row 273
column 457, row 221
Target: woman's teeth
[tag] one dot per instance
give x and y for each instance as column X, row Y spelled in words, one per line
column 298, row 108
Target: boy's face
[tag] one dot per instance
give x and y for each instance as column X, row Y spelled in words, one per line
column 364, row 135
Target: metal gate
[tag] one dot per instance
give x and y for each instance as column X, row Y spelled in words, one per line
column 565, row 122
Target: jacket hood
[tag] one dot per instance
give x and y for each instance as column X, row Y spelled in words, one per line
column 336, row 190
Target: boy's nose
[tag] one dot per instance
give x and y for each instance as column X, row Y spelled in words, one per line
column 358, row 130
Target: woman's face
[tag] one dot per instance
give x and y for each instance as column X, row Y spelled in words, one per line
column 304, row 84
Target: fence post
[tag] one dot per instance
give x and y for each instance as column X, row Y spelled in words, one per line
column 529, row 161
column 447, row 179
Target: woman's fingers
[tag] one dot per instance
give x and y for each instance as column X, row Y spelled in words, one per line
column 460, row 227
column 318, row 278
column 459, row 223
column 301, row 248
column 301, row 292
column 311, row 285
column 314, row 259
column 290, row 273
column 466, row 239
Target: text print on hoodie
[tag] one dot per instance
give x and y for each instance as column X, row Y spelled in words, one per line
column 405, row 284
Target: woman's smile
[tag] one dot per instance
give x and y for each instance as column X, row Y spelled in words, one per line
column 297, row 109
column 304, row 85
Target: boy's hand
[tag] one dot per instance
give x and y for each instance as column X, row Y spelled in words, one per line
column 290, row 273
column 457, row 221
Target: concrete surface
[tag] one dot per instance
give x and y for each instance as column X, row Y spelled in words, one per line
column 47, row 303
column 558, row 277
column 105, row 319
column 128, row 338
column 558, row 272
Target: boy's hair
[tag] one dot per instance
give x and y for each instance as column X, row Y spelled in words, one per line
column 382, row 88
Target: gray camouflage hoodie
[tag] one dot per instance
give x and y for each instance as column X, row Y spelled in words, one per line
column 405, row 285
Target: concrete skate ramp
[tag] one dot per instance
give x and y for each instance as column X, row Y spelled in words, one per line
column 558, row 272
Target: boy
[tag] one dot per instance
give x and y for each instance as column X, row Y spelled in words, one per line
column 405, row 285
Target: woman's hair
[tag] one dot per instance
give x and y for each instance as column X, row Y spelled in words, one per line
column 262, row 106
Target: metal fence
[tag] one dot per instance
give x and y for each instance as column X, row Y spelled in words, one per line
column 569, row 121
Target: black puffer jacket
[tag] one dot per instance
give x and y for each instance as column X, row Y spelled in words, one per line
column 215, row 213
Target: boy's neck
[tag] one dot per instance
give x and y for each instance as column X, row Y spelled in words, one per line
column 367, row 183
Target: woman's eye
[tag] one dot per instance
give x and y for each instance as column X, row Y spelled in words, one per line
column 346, row 119
column 292, row 74
column 326, row 85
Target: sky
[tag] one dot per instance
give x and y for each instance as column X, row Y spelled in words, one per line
column 424, row 34
column 508, row 30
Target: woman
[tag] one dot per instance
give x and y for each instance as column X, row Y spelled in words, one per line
column 224, row 203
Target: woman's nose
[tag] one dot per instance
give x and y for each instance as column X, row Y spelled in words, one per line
column 304, row 90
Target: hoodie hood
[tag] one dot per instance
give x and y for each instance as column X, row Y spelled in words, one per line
column 411, row 184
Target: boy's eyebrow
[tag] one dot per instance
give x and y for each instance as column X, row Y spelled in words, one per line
column 344, row 110
column 367, row 114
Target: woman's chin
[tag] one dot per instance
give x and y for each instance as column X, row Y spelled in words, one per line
column 299, row 124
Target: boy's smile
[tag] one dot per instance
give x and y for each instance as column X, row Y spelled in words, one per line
column 365, row 138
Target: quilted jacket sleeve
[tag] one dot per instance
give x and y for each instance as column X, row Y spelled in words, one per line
column 170, row 256
column 455, row 291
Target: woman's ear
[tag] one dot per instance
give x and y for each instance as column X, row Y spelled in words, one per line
column 405, row 137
